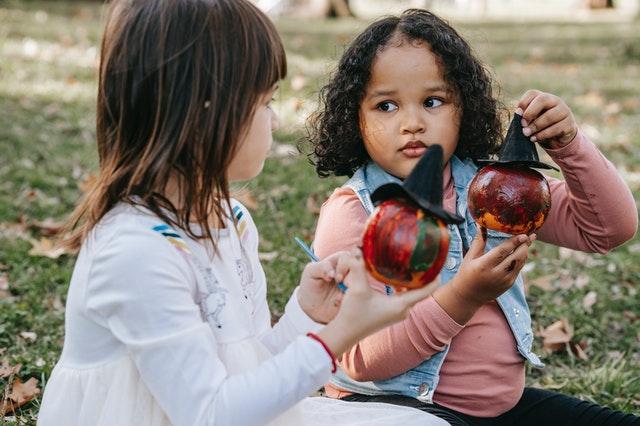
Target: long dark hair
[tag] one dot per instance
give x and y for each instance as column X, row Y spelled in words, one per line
column 178, row 83
column 334, row 131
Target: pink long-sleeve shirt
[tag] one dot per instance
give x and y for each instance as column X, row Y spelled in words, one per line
column 592, row 210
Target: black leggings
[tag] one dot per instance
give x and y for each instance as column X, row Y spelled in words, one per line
column 537, row 407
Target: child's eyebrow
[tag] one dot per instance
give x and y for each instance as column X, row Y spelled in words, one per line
column 377, row 93
column 438, row 88
column 427, row 89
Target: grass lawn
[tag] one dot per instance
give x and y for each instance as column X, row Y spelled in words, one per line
column 48, row 57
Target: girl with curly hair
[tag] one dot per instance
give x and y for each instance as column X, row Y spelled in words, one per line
column 404, row 84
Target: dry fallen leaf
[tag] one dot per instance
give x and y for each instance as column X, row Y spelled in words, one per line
column 21, row 393
column 313, row 203
column 268, row 256
column 7, row 369
column 4, row 286
column 47, row 227
column 578, row 350
column 46, row 248
column 29, row 336
column 556, row 336
column 544, row 282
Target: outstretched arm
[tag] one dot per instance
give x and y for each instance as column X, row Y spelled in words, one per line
column 592, row 209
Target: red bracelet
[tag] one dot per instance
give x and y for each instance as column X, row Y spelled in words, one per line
column 326, row 348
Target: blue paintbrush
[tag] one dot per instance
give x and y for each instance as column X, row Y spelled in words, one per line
column 314, row 258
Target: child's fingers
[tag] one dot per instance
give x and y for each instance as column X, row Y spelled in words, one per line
column 322, row 270
column 343, row 266
column 563, row 131
column 526, row 99
column 355, row 274
column 547, row 119
column 498, row 254
column 542, row 102
column 478, row 244
column 515, row 261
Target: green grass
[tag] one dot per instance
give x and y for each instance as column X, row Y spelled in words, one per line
column 47, row 90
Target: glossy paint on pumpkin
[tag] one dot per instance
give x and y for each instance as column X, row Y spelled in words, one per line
column 509, row 198
column 403, row 246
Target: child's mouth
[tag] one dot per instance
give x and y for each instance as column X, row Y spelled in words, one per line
column 413, row 149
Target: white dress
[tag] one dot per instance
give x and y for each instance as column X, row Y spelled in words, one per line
column 160, row 331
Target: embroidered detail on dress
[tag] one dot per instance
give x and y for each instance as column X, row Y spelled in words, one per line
column 213, row 298
column 241, row 224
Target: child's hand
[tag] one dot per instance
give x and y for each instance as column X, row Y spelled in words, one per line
column 364, row 310
column 319, row 295
column 546, row 119
column 483, row 276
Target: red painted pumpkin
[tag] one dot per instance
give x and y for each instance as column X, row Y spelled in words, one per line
column 403, row 245
column 509, row 198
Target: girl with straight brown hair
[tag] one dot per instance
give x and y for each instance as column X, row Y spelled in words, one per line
column 167, row 319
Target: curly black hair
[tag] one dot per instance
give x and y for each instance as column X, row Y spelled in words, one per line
column 334, row 130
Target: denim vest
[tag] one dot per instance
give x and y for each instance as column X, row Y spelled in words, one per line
column 421, row 381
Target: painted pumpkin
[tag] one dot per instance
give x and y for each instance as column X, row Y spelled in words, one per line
column 509, row 198
column 404, row 246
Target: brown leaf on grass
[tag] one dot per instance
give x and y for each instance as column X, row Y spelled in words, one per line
column 4, row 267
column 47, row 227
column 630, row 315
column 556, row 336
column 268, row 256
column 4, row 286
column 29, row 336
column 246, row 198
column 21, row 393
column 313, row 203
column 578, row 350
column 46, row 248
column 544, row 282
column 18, row 229
column 7, row 370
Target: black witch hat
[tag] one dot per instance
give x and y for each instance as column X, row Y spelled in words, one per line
column 518, row 149
column 423, row 187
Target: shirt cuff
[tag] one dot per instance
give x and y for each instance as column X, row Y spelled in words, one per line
column 569, row 149
column 298, row 318
column 447, row 325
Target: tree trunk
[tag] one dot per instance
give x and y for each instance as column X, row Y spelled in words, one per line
column 339, row 9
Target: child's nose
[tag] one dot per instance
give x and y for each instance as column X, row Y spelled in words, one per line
column 412, row 122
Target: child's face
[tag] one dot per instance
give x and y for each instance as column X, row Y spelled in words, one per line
column 407, row 106
column 253, row 149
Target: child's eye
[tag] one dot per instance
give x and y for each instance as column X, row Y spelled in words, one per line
column 387, row 106
column 433, row 102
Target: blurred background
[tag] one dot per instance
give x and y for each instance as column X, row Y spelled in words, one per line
column 585, row 307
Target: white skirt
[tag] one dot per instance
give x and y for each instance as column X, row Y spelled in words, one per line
column 114, row 394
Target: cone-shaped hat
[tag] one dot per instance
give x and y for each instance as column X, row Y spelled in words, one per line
column 423, row 186
column 518, row 149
